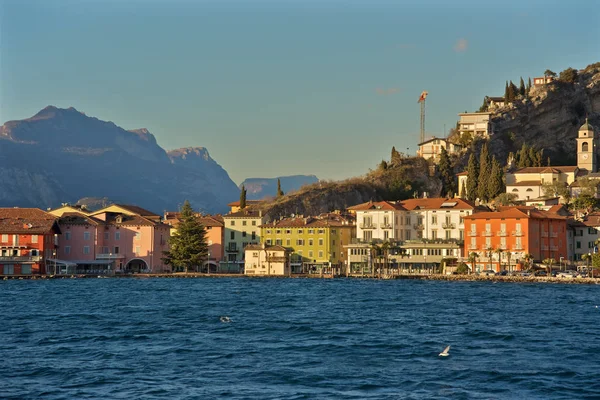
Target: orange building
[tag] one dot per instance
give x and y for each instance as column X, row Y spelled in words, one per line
column 503, row 239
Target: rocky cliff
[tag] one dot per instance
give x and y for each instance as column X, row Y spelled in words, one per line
column 260, row 188
column 61, row 155
column 549, row 117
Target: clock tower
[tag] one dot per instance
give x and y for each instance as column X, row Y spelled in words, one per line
column 586, row 148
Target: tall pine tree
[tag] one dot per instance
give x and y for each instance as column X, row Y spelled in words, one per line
column 484, row 173
column 472, row 177
column 187, row 246
column 528, row 85
column 279, row 191
column 506, row 95
column 524, row 159
column 522, row 87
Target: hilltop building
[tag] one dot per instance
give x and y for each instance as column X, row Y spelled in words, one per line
column 432, row 148
column 476, row 124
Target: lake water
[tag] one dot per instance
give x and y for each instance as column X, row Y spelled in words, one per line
column 297, row 339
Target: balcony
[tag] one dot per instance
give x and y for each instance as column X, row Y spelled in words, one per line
column 486, row 233
column 472, row 233
column 545, row 234
column 472, row 247
column 553, row 248
column 109, row 256
column 545, row 248
column 518, row 247
column 385, row 225
column 517, row 233
column 418, row 227
column 448, row 225
column 21, row 258
column 553, row 234
column 502, row 233
column 367, row 225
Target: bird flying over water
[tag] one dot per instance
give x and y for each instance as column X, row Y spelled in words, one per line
column 446, row 352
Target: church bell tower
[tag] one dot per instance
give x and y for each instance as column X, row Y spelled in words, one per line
column 586, row 148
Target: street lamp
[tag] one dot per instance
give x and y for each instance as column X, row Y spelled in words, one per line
column 588, row 262
column 208, row 262
column 561, row 260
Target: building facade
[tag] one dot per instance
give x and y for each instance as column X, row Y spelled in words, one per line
column 241, row 228
column 476, row 124
column 265, row 260
column 432, row 148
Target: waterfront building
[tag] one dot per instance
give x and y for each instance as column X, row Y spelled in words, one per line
column 316, row 243
column 241, row 228
column 584, row 234
column 267, row 260
column 27, row 240
column 503, row 239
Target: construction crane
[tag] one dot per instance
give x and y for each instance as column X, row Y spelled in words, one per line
column 422, row 98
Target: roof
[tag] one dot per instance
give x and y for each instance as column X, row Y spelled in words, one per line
column 586, row 126
column 267, row 247
column 245, row 213
column 309, row 222
column 212, row 221
column 248, row 202
column 111, row 218
column 525, row 183
column 431, row 140
column 75, row 218
column 376, row 205
column 540, row 170
column 516, row 212
column 27, row 221
column 137, row 210
column 464, row 173
column 496, row 99
column 437, row 203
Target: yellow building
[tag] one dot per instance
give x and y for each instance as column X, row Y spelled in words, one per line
column 316, row 243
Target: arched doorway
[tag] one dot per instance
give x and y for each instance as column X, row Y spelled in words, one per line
column 136, row 265
column 210, row 264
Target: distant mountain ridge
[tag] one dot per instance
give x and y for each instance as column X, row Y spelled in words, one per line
column 260, row 188
column 61, row 155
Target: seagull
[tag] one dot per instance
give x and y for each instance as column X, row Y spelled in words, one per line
column 446, row 352
column 225, row 319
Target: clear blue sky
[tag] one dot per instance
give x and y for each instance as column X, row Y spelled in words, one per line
column 282, row 87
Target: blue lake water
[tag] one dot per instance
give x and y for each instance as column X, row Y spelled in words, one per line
column 297, row 339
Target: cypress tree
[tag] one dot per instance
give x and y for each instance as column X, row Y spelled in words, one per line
column 243, row 198
column 506, row 96
column 522, row 87
column 395, row 159
column 484, row 173
column 472, row 177
column 535, row 157
column 279, row 191
column 528, row 85
column 446, row 174
column 494, row 183
column 187, row 246
column 463, row 190
column 524, row 160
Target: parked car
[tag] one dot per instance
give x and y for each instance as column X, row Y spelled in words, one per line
column 488, row 272
column 540, row 273
column 567, row 274
column 503, row 273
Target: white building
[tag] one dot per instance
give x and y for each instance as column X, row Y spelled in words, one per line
column 432, row 148
column 267, row 260
column 475, row 124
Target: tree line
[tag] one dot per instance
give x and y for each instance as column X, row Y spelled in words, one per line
column 485, row 177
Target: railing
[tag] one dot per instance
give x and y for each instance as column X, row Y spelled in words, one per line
column 553, row 234
column 544, row 234
column 369, row 225
column 418, row 227
column 472, row 247
column 502, row 233
column 486, row 233
column 21, row 258
column 448, row 225
column 554, row 248
column 232, row 247
column 518, row 247
column 517, row 233
column 386, row 225
column 472, row 233
column 109, row 256
column 545, row 248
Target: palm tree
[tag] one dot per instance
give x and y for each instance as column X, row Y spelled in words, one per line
column 528, row 257
column 549, row 262
column 489, row 254
column 472, row 259
column 499, row 251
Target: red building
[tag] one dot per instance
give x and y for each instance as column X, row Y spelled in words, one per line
column 27, row 240
column 503, row 239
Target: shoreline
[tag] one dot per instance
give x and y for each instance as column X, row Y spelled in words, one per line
column 436, row 277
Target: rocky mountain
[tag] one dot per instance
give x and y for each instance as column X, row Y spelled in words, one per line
column 61, row 155
column 260, row 188
column 549, row 117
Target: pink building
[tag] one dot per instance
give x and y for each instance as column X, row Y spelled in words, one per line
column 117, row 238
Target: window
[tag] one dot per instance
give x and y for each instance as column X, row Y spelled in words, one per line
column 232, row 223
column 488, row 242
column 503, row 242
column 232, row 235
column 67, row 236
column 584, row 146
column 449, row 235
column 434, row 220
column 253, row 223
column 278, row 242
column 311, row 231
column 244, row 234
column 34, row 252
column 25, row 269
column 67, row 249
column 367, row 236
column 106, row 235
column 34, row 238
column 137, row 250
column 117, row 235
column 310, row 242
column 137, row 235
column 310, row 253
column 105, row 250
column 407, row 221
column 9, row 269
column 86, row 236
column 407, row 235
column 300, row 231
column 300, row 242
column 269, row 242
column 320, row 253
column 287, row 242
column 434, row 235
column 386, row 235
column 253, row 235
column 244, row 223
column 278, row 231
column 117, row 249
column 86, row 249
column 320, row 241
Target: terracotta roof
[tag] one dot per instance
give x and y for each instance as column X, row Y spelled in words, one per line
column 377, row 205
column 128, row 220
column 539, row 170
column 213, row 221
column 245, row 213
column 310, row 222
column 496, row 99
column 525, row 183
column 462, row 173
column 137, row 210
column 27, row 221
column 75, row 218
column 437, row 203
column 516, row 212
